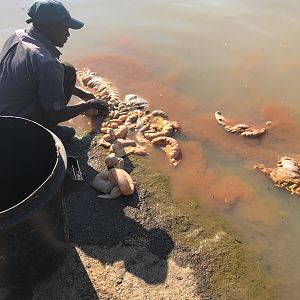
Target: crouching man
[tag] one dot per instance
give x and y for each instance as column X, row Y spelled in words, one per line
column 34, row 83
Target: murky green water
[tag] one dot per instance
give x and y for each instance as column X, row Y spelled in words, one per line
column 192, row 58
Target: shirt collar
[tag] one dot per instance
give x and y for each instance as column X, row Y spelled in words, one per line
column 33, row 32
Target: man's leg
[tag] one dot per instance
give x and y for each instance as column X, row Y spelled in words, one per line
column 69, row 80
column 65, row 133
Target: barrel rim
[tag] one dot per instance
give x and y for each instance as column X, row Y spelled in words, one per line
column 58, row 145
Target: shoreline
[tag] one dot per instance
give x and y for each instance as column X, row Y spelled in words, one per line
column 144, row 247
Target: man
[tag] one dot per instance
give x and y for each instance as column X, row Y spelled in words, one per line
column 33, row 82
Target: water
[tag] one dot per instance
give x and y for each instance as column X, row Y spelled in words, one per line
column 192, row 58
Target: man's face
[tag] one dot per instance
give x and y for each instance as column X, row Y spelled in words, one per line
column 58, row 34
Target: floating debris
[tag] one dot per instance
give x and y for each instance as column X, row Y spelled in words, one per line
column 242, row 129
column 286, row 174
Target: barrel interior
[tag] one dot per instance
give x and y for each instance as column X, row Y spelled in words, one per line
column 27, row 158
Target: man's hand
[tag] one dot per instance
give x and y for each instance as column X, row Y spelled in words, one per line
column 72, row 111
column 83, row 94
column 99, row 104
column 86, row 95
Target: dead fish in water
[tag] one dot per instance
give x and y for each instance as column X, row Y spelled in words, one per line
column 136, row 102
column 242, row 129
column 172, row 148
column 286, row 174
column 98, row 84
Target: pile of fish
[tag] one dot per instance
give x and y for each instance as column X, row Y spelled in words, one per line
column 128, row 117
column 153, row 128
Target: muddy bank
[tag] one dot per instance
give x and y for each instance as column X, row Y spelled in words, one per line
column 224, row 267
column 145, row 247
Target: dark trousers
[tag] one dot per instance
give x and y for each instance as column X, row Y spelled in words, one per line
column 69, row 84
column 65, row 133
column 69, row 80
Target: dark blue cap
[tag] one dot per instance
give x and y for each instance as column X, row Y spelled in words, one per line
column 50, row 11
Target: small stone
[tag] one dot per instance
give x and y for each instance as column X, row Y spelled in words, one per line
column 196, row 233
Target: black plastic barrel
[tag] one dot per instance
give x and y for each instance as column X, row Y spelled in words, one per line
column 33, row 235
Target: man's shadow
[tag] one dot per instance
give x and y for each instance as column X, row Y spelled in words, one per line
column 96, row 222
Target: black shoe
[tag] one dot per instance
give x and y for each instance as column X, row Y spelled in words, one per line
column 64, row 133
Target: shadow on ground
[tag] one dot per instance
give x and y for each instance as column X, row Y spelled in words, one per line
column 105, row 223
column 70, row 282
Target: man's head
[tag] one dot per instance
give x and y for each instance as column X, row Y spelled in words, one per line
column 53, row 20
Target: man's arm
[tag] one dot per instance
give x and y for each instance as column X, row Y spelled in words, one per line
column 84, row 95
column 69, row 112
